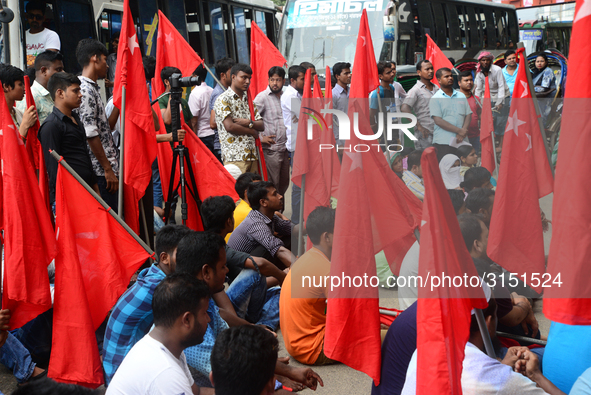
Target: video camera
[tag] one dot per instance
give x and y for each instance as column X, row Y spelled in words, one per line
column 177, row 83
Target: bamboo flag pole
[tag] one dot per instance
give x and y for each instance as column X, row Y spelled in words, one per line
column 121, row 153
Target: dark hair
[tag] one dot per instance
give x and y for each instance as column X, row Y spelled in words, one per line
column 421, row 62
column 451, row 60
column 46, row 58
column 479, row 198
column 198, row 249
column 464, row 74
column 457, row 199
column 201, row 73
column 383, row 65
column 215, row 211
column 47, row 386
column 470, row 228
column 238, row 67
column 10, row 74
column 243, row 360
column 543, row 55
column 149, row 67
column 87, row 48
column 294, row 72
column 509, row 53
column 244, row 181
column 114, row 37
column 36, row 5
column 308, row 65
column 338, row 68
column 167, row 72
column 280, row 71
column 177, row 294
column 490, row 310
column 61, row 81
column 475, row 177
column 258, row 191
column 223, row 65
column 320, row 220
column 169, row 237
column 439, row 72
column 414, row 159
column 464, row 151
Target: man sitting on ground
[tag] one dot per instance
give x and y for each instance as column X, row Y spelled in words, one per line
column 157, row 363
column 413, row 177
column 256, row 234
column 304, row 322
column 481, row 201
column 243, row 207
column 132, row 317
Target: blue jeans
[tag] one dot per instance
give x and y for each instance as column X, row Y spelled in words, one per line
column 157, row 192
column 475, row 141
column 252, row 300
column 112, row 199
column 36, row 337
column 16, row 357
column 209, row 142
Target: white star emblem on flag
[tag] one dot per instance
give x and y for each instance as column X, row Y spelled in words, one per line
column 356, row 160
column 169, row 38
column 132, row 43
column 513, row 123
column 584, row 11
column 525, row 89
column 529, row 142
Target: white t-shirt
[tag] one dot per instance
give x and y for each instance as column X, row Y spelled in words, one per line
column 481, row 375
column 150, row 369
column 40, row 42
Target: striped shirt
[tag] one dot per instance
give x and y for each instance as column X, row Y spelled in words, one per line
column 414, row 183
column 258, row 229
column 269, row 106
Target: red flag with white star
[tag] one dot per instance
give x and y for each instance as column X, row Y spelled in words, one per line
column 486, row 129
column 263, row 56
column 571, row 215
column 515, row 240
column 438, row 58
column 140, row 135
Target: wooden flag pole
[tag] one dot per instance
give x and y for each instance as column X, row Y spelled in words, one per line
column 66, row 166
column 121, row 153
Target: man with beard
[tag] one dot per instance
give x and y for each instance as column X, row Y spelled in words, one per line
column 499, row 92
column 417, row 101
column 274, row 135
column 38, row 37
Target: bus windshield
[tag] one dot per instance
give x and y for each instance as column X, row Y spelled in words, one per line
column 324, row 32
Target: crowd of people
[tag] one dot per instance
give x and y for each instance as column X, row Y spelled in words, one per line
column 204, row 317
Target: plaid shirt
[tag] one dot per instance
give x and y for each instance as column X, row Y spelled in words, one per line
column 414, row 183
column 269, row 106
column 130, row 320
column 257, row 229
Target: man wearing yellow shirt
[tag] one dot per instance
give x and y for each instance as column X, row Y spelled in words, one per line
column 243, row 208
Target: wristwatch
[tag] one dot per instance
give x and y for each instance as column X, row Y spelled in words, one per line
column 251, row 124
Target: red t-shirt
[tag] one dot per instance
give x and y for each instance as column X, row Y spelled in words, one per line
column 473, row 128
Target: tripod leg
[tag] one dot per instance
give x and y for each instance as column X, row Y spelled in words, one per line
column 171, row 189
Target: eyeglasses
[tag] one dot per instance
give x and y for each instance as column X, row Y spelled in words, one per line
column 36, row 16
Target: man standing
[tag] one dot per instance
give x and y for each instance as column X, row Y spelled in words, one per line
column 291, row 101
column 38, row 38
column 222, row 71
column 64, row 133
column 510, row 70
column 340, row 95
column 499, row 92
column 92, row 56
column 236, row 128
column 451, row 113
column 199, row 106
column 466, row 84
column 46, row 64
column 274, row 137
column 391, row 94
column 417, row 100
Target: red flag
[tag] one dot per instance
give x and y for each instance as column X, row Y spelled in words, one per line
column 96, row 259
column 330, row 163
column 438, row 58
column 140, row 136
column 263, row 56
column 515, row 240
column 443, row 313
column 172, row 50
column 370, row 201
column 29, row 239
column 486, row 129
column 571, row 215
column 365, row 78
column 34, row 148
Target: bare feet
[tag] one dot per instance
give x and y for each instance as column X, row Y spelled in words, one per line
column 295, row 387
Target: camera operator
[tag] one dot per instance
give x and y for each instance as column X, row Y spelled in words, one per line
column 164, row 103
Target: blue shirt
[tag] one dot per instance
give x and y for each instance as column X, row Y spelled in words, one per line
column 452, row 109
column 130, row 320
column 398, row 91
column 397, row 349
column 340, row 101
column 510, row 79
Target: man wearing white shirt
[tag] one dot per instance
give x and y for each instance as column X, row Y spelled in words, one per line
column 157, row 364
column 38, row 38
column 199, row 106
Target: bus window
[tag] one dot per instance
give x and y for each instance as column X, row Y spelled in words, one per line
column 493, row 41
column 473, row 28
column 440, row 26
column 241, row 35
column 501, row 29
column 425, row 21
column 194, row 26
column 260, row 20
column 74, row 25
column 109, row 25
column 216, row 34
column 513, row 27
column 455, row 33
column 464, row 29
